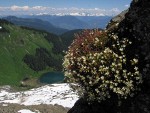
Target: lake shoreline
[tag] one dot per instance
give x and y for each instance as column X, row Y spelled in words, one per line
column 34, row 82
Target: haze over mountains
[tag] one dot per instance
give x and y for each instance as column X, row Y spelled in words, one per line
column 75, row 22
column 60, row 24
column 36, row 24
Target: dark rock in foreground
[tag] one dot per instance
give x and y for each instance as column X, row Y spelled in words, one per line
column 136, row 27
column 138, row 104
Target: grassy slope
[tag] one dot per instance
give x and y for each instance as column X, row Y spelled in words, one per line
column 13, row 47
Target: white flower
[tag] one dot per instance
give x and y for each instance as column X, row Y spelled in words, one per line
column 136, row 68
column 97, row 91
column 121, row 49
column 130, row 42
column 135, row 61
column 102, row 77
column 117, row 72
column 124, row 71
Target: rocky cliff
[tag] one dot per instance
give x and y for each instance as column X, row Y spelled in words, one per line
column 133, row 24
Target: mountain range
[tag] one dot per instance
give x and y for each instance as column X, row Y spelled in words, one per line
column 35, row 23
column 74, row 22
column 60, row 24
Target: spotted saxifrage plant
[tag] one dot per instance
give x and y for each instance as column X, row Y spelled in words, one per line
column 97, row 62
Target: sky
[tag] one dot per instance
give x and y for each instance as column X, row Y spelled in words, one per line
column 108, row 7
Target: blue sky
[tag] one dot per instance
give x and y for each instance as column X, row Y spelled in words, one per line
column 68, row 3
column 86, row 4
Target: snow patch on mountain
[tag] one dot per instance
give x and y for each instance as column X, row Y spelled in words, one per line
column 72, row 14
column 26, row 111
column 60, row 94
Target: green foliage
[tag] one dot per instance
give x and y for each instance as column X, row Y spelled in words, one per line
column 58, row 45
column 3, row 30
column 41, row 60
column 16, row 43
column 97, row 62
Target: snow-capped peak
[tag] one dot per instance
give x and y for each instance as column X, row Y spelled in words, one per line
column 72, row 14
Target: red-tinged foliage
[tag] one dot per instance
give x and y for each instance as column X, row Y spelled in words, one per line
column 85, row 42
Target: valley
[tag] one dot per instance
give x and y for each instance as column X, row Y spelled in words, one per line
column 34, row 45
column 19, row 46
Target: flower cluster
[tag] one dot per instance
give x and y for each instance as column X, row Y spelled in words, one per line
column 97, row 62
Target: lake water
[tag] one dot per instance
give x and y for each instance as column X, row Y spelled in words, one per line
column 52, row 77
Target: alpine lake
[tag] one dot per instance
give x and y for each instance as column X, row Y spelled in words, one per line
column 52, row 77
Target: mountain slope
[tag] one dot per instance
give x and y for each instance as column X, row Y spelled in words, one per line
column 95, row 21
column 75, row 22
column 69, row 22
column 68, row 37
column 36, row 23
column 66, row 22
column 16, row 43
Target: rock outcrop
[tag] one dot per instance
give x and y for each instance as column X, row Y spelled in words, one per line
column 135, row 26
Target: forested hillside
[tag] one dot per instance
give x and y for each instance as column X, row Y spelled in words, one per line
column 26, row 52
column 68, row 37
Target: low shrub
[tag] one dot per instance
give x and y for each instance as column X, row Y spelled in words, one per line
column 97, row 62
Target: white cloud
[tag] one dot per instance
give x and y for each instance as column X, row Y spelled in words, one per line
column 39, row 8
column 19, row 10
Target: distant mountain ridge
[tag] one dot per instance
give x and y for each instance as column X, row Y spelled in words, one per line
column 35, row 23
column 66, row 22
column 60, row 24
column 95, row 21
column 74, row 22
column 73, row 14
